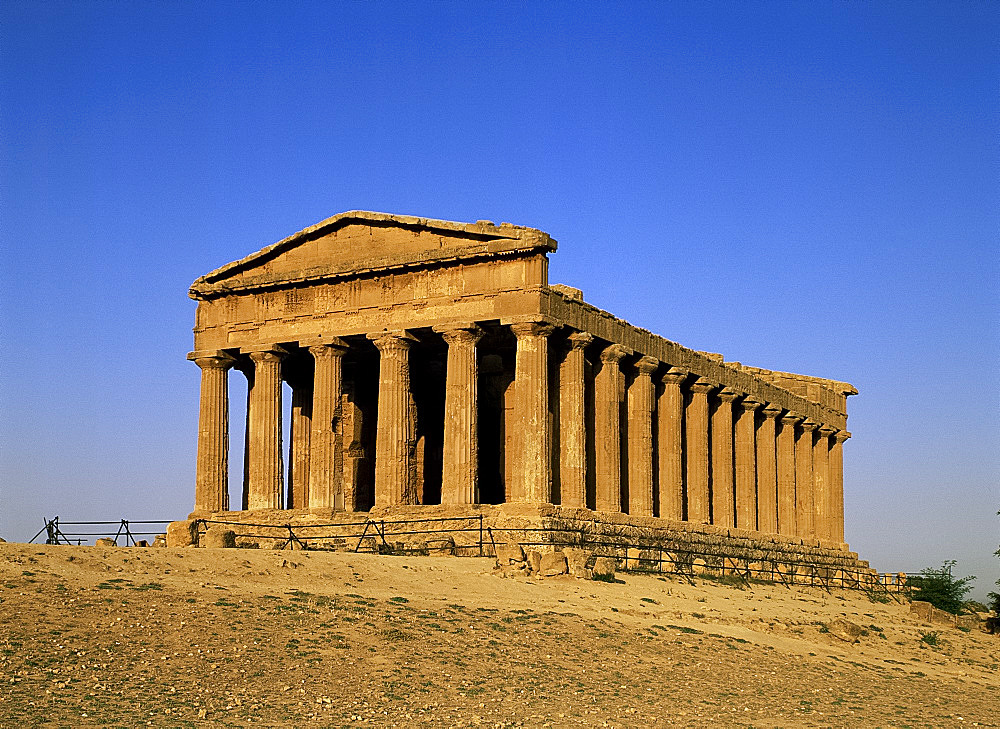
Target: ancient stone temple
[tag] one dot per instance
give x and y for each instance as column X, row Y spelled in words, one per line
column 432, row 362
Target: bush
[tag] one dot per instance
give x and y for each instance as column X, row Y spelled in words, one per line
column 940, row 588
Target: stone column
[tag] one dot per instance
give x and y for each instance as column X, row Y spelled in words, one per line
column 805, row 487
column 301, row 435
column 786, row 474
column 607, row 426
column 460, row 471
column 532, row 481
column 572, row 423
column 670, row 424
column 211, row 491
column 265, row 490
column 640, row 438
column 394, row 437
column 696, row 432
column 767, row 472
column 821, row 477
column 836, row 470
column 723, row 482
column 325, row 469
column 746, row 465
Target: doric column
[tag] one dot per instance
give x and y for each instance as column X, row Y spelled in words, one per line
column 767, row 472
column 300, row 432
column 532, row 480
column 696, row 432
column 640, row 438
column 746, row 465
column 460, row 471
column 670, row 424
column 211, row 491
column 607, row 426
column 394, row 437
column 821, row 477
column 805, row 486
column 325, row 468
column 836, row 470
column 786, row 474
column 723, row 483
column 572, row 423
column 265, row 490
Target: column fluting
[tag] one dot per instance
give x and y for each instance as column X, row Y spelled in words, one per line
column 325, row 466
column 723, row 477
column 211, row 491
column 266, row 475
column 821, row 477
column 532, row 480
column 767, row 472
column 460, row 471
column 746, row 465
column 394, row 437
column 696, row 433
column 836, row 469
column 805, row 482
column 670, row 440
column 572, row 423
column 607, row 424
column 640, row 438
column 786, row 474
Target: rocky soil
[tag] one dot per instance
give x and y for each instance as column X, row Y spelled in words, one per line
column 116, row 637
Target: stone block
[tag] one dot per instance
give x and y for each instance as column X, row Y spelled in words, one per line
column 509, row 554
column 182, row 533
column 845, row 630
column 576, row 561
column 604, row 569
column 219, row 538
column 534, row 560
column 105, row 542
column 160, row 541
column 968, row 622
column 141, row 543
column 552, row 564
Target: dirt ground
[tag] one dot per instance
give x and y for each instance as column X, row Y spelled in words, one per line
column 117, row 637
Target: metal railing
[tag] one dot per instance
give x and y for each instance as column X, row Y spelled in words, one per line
column 649, row 549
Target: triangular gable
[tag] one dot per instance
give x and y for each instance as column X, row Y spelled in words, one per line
column 364, row 242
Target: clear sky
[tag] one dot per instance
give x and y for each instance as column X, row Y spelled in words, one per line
column 809, row 187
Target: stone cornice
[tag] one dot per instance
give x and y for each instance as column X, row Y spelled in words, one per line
column 586, row 317
column 480, row 240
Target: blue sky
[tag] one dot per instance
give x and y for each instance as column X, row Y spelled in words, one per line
column 808, row 187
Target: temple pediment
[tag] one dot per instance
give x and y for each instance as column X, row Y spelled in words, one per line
column 360, row 242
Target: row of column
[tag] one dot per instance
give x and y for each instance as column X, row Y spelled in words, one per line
column 694, row 450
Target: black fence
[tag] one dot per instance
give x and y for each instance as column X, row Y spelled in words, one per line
column 652, row 550
column 67, row 532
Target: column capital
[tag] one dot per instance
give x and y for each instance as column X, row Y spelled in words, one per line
column 702, row 385
column 392, row 341
column 674, row 376
column 273, row 353
column 771, row 411
column 826, row 431
column 727, row 395
column 579, row 340
column 212, row 360
column 841, row 435
column 749, row 404
column 613, row 353
column 791, row 419
column 647, row 365
column 808, row 425
column 326, row 346
column 531, row 328
column 459, row 333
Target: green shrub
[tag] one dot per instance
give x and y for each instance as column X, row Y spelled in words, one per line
column 929, row 638
column 940, row 588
